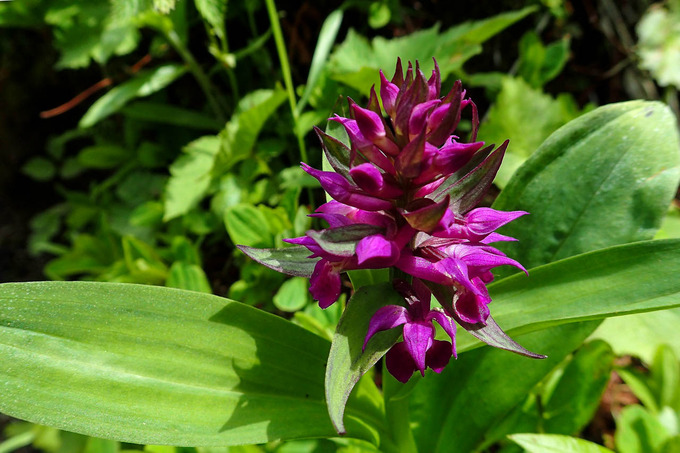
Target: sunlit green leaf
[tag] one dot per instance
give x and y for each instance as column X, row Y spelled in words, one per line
column 605, row 178
column 555, row 443
column 143, row 84
column 153, row 365
column 190, row 176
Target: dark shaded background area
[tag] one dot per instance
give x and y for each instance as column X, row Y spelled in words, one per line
column 601, row 70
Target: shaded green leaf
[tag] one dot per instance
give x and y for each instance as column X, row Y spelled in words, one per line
column 103, row 156
column 491, row 381
column 157, row 112
column 39, row 168
column 577, row 395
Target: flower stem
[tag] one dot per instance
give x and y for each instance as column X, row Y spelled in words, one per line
column 397, row 413
column 197, row 72
column 287, row 76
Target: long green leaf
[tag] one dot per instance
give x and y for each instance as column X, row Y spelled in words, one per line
column 620, row 280
column 154, row 365
column 478, row 389
column 555, row 443
column 144, row 84
column 327, row 35
column 603, row 179
column 348, row 361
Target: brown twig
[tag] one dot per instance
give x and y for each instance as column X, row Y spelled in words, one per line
column 80, row 97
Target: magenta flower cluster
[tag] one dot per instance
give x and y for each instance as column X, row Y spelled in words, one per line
column 404, row 195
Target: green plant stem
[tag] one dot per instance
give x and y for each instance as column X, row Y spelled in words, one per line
column 397, row 415
column 287, row 76
column 16, row 442
column 198, row 73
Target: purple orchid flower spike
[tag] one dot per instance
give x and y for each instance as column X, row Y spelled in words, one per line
column 405, row 190
column 419, row 350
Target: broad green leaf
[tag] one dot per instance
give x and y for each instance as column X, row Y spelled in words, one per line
column 516, row 102
column 153, row 365
column 623, row 279
column 491, row 381
column 356, row 62
column 143, row 84
column 615, row 281
column 348, row 361
column 639, row 431
column 239, row 136
column 157, row 112
column 289, row 260
column 292, row 296
column 190, row 176
column 183, row 275
column 555, row 443
column 605, row 178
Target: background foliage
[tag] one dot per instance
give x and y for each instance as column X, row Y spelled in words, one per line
column 179, row 127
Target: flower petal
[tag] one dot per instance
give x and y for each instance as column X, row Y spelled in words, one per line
column 376, row 251
column 418, row 337
column 483, row 221
column 385, row 318
column 399, row 363
column 438, row 355
column 472, row 306
column 447, row 324
column 325, row 284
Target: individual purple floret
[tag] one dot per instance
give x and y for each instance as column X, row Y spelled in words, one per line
column 419, row 348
